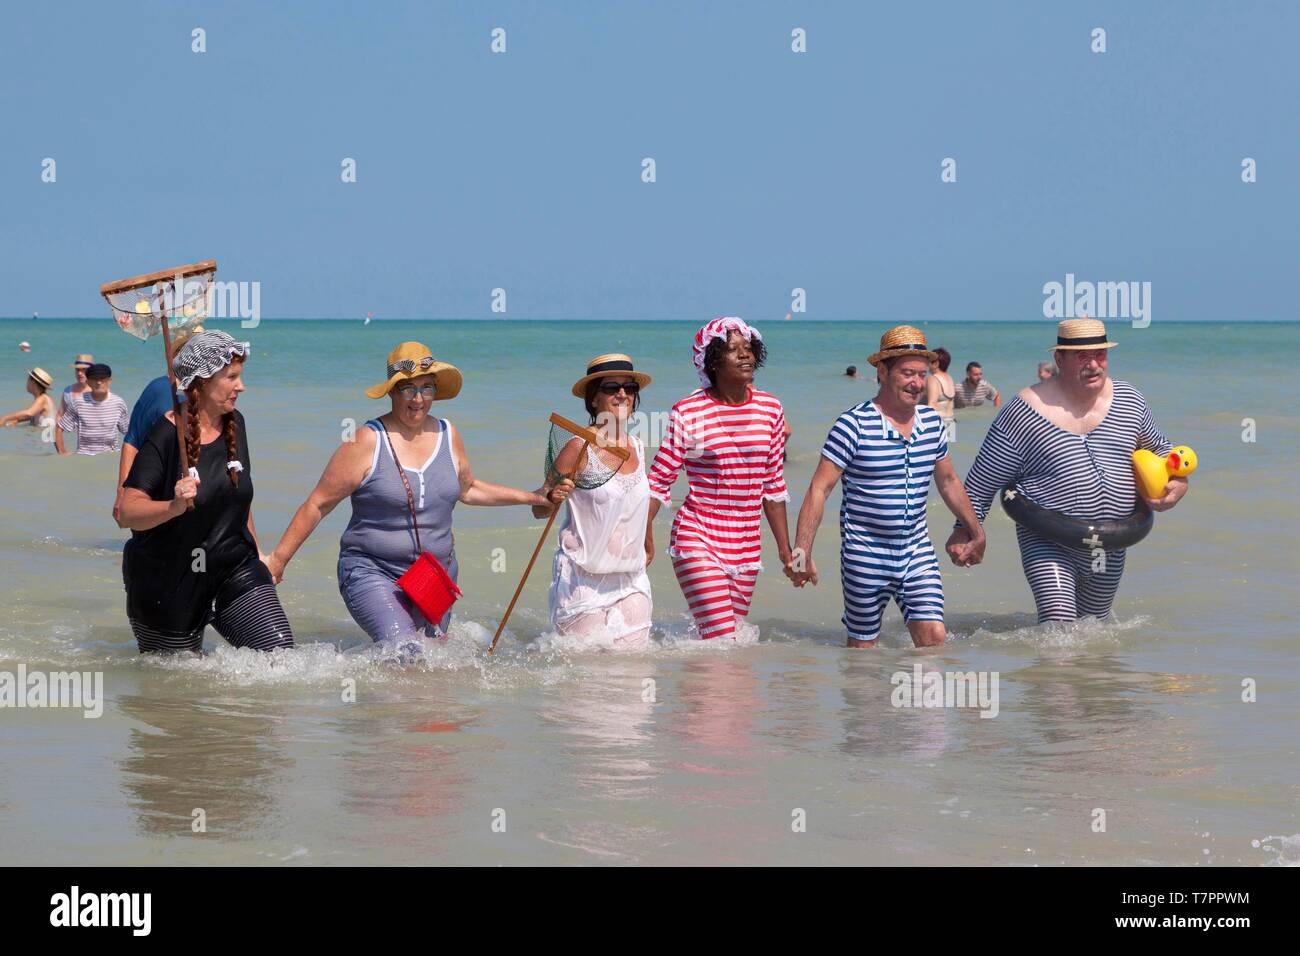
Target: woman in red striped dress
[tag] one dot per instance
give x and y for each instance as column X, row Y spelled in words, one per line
column 730, row 438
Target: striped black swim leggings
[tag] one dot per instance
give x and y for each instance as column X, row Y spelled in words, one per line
column 246, row 612
column 1066, row 587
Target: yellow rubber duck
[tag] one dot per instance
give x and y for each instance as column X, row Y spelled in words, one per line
column 1153, row 472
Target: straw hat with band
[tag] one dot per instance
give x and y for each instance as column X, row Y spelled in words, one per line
column 413, row 359
column 83, row 360
column 615, row 364
column 903, row 341
column 1085, row 333
column 41, row 378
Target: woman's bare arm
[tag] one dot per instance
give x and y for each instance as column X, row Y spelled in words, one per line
column 474, row 491
column 346, row 469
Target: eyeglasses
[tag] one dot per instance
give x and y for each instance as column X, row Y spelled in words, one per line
column 408, row 391
column 613, row 388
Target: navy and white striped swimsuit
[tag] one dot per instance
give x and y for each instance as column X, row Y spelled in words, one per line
column 885, row 548
column 1085, row 476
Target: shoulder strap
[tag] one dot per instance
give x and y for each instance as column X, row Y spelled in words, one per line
column 401, row 472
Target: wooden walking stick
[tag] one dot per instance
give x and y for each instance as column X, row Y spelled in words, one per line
column 589, row 437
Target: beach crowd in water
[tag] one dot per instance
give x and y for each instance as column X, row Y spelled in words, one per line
column 185, row 489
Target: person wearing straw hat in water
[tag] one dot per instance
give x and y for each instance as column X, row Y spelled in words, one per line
column 193, row 558
column 41, row 411
column 599, row 588
column 885, row 451
column 80, row 386
column 399, row 510
column 1066, row 444
column 730, row 438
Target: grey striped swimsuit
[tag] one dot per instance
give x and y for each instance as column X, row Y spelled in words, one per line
column 378, row 544
column 1086, row 476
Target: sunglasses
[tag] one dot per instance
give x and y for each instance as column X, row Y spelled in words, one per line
column 408, row 391
column 613, row 388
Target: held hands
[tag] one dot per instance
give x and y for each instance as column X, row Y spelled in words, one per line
column 187, row 489
column 649, row 549
column 800, row 568
column 965, row 549
column 1174, row 492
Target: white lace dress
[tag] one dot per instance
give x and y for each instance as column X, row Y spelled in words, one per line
column 599, row 588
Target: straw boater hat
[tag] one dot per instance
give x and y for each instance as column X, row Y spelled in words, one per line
column 413, row 359
column 85, row 360
column 41, row 377
column 902, row 341
column 1082, row 333
column 603, row 366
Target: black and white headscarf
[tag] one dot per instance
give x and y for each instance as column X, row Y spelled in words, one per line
column 205, row 354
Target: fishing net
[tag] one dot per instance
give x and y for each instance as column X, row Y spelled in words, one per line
column 596, row 465
column 184, row 296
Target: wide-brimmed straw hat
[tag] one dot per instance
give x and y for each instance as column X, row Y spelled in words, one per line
column 603, row 366
column 903, row 341
column 413, row 359
column 84, row 360
column 41, row 377
column 1082, row 333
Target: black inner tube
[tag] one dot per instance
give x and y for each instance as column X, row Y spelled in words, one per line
column 1108, row 535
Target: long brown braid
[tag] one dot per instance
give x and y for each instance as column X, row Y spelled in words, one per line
column 193, row 444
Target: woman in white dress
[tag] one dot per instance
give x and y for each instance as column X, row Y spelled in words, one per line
column 599, row 588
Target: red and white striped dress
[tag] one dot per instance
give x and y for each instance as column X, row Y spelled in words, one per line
column 733, row 459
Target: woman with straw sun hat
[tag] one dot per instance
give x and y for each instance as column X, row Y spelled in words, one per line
column 41, row 411
column 1066, row 445
column 599, row 588
column 405, row 471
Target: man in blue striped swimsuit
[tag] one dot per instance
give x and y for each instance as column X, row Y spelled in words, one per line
column 1066, row 444
column 886, row 451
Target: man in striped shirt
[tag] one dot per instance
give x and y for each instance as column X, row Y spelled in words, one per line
column 1066, row 444
column 975, row 389
column 885, row 451
column 97, row 416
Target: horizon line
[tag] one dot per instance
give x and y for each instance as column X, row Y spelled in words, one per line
column 895, row 319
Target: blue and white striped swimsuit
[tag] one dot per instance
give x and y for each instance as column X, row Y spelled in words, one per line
column 885, row 548
column 1085, row 476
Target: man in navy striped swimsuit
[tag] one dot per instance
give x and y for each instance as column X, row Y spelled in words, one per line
column 1066, row 444
column 886, row 451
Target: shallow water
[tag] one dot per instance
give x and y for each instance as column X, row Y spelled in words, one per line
column 570, row 748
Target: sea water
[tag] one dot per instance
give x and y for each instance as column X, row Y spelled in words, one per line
column 1177, row 720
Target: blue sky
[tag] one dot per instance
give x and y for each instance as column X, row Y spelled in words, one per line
column 775, row 170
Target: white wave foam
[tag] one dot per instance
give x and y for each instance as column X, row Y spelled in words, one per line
column 1085, row 633
column 1285, row 853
